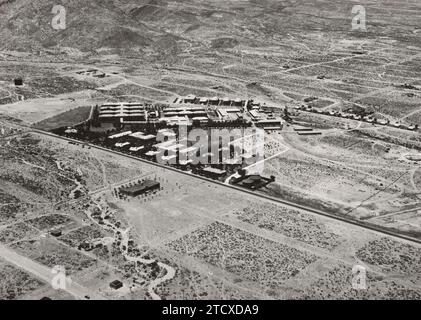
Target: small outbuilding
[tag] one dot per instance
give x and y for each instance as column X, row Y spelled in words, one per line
column 116, row 284
column 56, row 233
column 18, row 82
column 142, row 188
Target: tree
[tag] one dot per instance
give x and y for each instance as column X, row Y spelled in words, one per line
column 242, row 172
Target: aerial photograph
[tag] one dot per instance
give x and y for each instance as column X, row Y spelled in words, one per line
column 220, row 150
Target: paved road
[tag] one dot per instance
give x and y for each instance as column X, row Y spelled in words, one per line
column 44, row 273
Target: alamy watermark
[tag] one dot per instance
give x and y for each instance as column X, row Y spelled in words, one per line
column 59, row 20
column 359, row 278
column 60, row 280
column 212, row 146
column 359, row 18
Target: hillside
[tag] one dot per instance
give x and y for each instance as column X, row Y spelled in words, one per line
column 91, row 25
column 161, row 26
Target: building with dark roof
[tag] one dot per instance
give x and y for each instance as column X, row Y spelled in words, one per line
column 252, row 182
column 116, row 284
column 18, row 82
column 56, row 233
column 142, row 188
column 270, row 123
column 120, row 112
column 213, row 173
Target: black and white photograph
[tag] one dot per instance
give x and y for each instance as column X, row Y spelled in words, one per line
column 220, row 150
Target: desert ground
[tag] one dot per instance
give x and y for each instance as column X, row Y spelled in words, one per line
column 195, row 239
column 191, row 239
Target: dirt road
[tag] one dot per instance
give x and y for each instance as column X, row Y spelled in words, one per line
column 45, row 273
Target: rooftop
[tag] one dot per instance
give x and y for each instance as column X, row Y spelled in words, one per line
column 214, row 170
column 140, row 187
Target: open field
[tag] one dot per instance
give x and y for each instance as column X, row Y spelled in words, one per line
column 242, row 254
column 66, row 119
column 17, row 232
column 135, row 93
column 327, row 180
column 52, row 254
column 194, row 238
column 192, row 285
column 351, row 174
column 39, row 109
column 333, row 285
column 292, row 223
column 391, row 256
column 15, row 283
column 47, row 222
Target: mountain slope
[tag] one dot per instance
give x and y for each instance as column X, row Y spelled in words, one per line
column 26, row 25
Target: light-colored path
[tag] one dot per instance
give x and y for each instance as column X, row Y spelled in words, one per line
column 45, row 273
